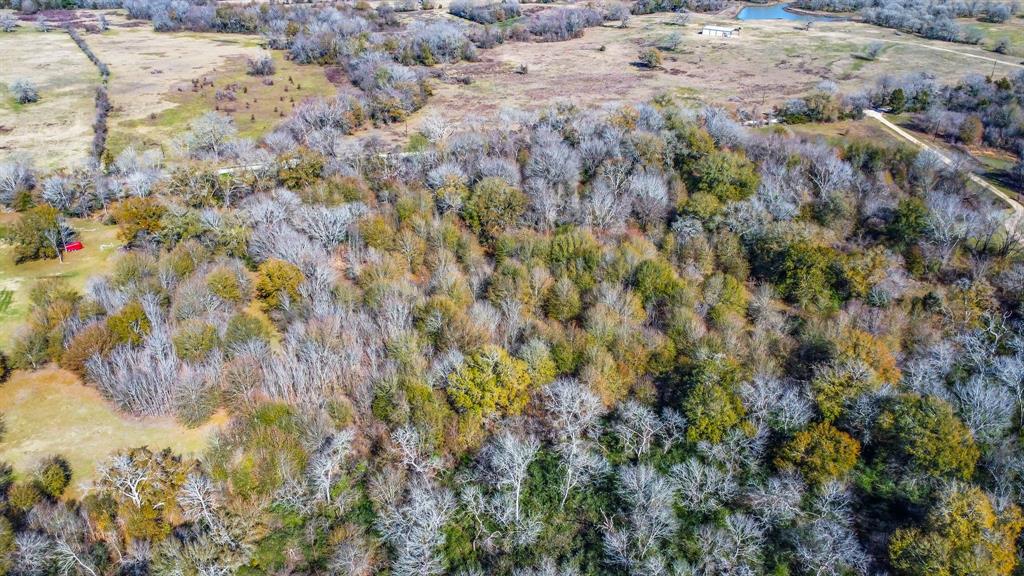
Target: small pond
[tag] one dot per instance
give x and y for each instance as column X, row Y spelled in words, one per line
column 778, row 12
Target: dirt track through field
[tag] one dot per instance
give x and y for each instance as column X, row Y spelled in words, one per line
column 1012, row 222
column 957, row 52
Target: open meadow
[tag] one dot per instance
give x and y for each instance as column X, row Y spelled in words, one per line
column 160, row 82
column 56, row 131
column 768, row 63
column 51, row 412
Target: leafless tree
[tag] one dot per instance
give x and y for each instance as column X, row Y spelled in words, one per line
column 574, row 413
column 637, row 427
column 777, row 500
column 414, row 529
column 987, row 408
column 733, row 549
column 414, row 453
column 508, row 458
column 326, row 464
column 127, row 476
column 647, row 521
column 703, row 487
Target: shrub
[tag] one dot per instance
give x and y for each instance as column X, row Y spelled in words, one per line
column 962, row 534
column 655, row 280
column 650, row 58
column 562, row 301
column 53, row 476
column 129, row 325
column 971, row 131
column 5, row 367
column 261, row 66
column 95, row 339
column 489, row 382
column 22, row 496
column 924, row 433
column 493, row 208
column 712, row 406
column 226, row 284
column 38, row 234
column 195, row 341
column 277, row 284
column 821, row 453
column 24, row 91
column 138, row 218
column 243, row 327
column 728, row 176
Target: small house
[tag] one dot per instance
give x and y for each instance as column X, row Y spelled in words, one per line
column 720, row 31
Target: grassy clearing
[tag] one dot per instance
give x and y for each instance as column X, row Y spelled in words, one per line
column 101, row 245
column 50, row 411
column 1012, row 30
column 56, row 130
column 148, row 68
column 767, row 64
column 260, row 103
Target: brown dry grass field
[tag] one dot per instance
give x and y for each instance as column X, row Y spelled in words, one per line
column 152, row 82
column 769, row 62
column 50, row 411
column 57, row 130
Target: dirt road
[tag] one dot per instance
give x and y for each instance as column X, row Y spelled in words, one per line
column 957, row 52
column 1012, row 222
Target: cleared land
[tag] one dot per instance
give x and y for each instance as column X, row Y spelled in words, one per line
column 147, row 67
column 56, row 131
column 162, row 81
column 768, row 63
column 16, row 281
column 48, row 411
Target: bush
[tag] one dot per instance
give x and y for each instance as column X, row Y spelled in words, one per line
column 489, row 382
column 129, row 325
column 53, row 476
column 95, row 339
column 261, row 66
column 728, row 176
column 39, row 233
column 971, row 131
column 5, row 368
column 562, row 301
column 244, row 327
column 821, row 453
column 22, row 496
column 226, row 284
column 24, row 91
column 195, row 341
column 277, row 284
column 139, row 218
column 924, row 433
column 493, row 208
column 650, row 58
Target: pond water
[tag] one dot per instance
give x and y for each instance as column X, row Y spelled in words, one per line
column 778, row 12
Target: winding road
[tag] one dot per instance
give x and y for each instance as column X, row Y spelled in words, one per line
column 1012, row 222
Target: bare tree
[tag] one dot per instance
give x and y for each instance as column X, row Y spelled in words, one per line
column 648, row 519
column 574, row 413
column 637, row 427
column 414, row 529
column 703, row 487
column 508, row 459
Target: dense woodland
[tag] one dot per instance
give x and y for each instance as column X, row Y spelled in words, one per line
column 645, row 342
column 638, row 341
